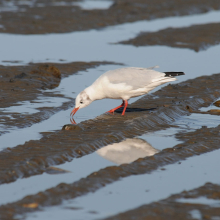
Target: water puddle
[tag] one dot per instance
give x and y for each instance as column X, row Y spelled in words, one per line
column 162, row 139
column 27, row 107
column 201, row 200
column 85, row 43
column 69, row 87
column 15, row 6
column 196, row 214
column 214, row 105
column 97, row 45
column 93, row 4
column 123, row 152
column 134, row 191
column 126, row 151
column 8, row 6
column 196, row 121
column 78, row 169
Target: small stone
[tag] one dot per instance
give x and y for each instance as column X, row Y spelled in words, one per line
column 31, row 205
column 214, row 111
column 20, row 76
column 56, row 170
column 69, row 127
column 217, row 103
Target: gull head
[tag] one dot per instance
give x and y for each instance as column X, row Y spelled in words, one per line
column 82, row 100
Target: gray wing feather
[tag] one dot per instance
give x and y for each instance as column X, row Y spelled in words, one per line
column 134, row 76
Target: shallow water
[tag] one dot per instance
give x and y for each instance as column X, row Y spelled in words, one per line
column 56, row 122
column 85, row 4
column 94, row 4
column 79, row 168
column 201, row 200
column 196, row 121
column 83, row 166
column 131, row 192
column 96, row 45
column 196, row 214
column 27, row 107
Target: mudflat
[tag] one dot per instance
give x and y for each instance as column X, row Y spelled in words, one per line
column 43, row 17
column 21, row 83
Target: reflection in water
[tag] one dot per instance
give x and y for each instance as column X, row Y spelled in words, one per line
column 56, row 170
column 72, row 121
column 127, row 151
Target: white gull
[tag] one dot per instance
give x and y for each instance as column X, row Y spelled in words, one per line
column 123, row 83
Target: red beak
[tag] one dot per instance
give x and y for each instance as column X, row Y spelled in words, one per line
column 74, row 111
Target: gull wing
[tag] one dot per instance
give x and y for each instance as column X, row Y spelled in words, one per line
column 135, row 77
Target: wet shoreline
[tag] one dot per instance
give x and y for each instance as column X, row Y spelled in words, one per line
column 46, row 161
column 53, row 19
column 196, row 37
column 132, row 124
column 94, row 181
column 20, row 84
column 181, row 206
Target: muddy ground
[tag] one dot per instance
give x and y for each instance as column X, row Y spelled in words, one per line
column 90, row 135
column 35, row 19
column 151, row 113
column 195, row 37
column 25, row 83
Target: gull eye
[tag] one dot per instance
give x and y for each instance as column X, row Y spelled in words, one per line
column 81, row 102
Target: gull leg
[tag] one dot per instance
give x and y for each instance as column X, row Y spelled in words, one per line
column 125, row 106
column 112, row 110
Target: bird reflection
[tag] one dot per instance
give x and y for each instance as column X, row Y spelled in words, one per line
column 72, row 121
column 127, row 151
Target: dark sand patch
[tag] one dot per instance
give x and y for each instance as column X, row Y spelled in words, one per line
column 26, row 83
column 196, row 37
column 207, row 139
column 35, row 156
column 23, row 83
column 60, row 19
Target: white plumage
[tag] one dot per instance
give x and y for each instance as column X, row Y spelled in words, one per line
column 123, row 83
column 127, row 151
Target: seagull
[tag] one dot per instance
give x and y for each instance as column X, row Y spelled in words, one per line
column 123, row 83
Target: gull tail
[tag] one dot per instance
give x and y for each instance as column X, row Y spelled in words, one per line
column 168, row 74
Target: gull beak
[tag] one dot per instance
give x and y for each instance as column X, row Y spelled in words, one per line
column 74, row 111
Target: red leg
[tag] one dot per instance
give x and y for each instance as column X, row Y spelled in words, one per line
column 125, row 106
column 112, row 110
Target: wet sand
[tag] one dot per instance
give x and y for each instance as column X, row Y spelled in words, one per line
column 93, row 134
column 196, row 37
column 35, row 19
column 151, row 113
column 25, row 83
column 194, row 143
column 41, row 154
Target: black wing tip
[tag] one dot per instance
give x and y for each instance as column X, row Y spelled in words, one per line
column 174, row 73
